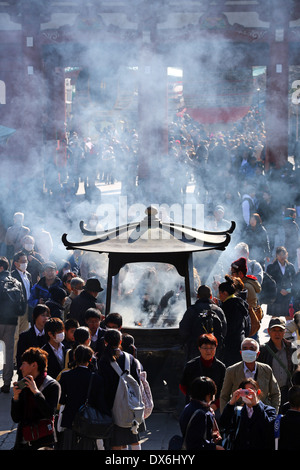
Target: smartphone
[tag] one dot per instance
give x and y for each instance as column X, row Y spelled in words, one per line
column 22, row 384
column 244, row 392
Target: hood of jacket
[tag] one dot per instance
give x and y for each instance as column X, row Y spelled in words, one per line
column 253, row 281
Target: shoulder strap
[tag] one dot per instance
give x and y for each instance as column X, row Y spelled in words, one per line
column 278, row 360
column 118, row 369
column 47, row 381
column 188, row 426
column 90, row 387
column 277, row 430
column 127, row 361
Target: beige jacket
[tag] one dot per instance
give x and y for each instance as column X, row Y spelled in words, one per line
column 253, row 288
column 265, row 378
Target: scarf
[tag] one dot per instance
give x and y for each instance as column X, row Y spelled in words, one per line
column 31, row 409
column 206, row 363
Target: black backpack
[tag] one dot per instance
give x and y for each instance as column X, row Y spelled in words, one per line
column 208, row 322
column 11, row 295
column 268, row 290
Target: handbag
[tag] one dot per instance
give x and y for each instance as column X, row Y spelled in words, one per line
column 146, row 394
column 90, row 422
column 35, row 431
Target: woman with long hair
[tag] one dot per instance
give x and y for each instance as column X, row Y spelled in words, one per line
column 122, row 437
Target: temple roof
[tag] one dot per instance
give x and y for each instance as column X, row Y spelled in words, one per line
column 151, row 235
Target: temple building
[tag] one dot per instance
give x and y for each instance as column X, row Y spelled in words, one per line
column 78, row 64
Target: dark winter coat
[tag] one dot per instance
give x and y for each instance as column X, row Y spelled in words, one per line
column 237, row 317
column 255, row 433
column 79, row 306
column 40, row 290
column 189, row 331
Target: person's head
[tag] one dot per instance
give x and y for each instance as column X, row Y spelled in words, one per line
column 249, row 350
column 55, row 330
column 4, row 264
column 70, row 326
column 66, row 280
column 34, row 362
column 290, row 213
column 296, row 319
column 242, row 250
column 226, row 288
column 82, row 335
column 92, row 319
column 28, row 243
column 250, row 189
column 207, row 345
column 58, row 294
column 93, row 286
column 281, row 254
column 83, row 355
column 255, row 220
column 219, row 212
column 113, row 320
column 239, row 268
column 238, row 284
column 20, row 261
column 66, row 268
column 203, row 389
column 50, row 271
column 77, row 285
column 294, row 397
column 252, row 386
column 18, row 218
column 112, row 341
column 249, row 383
column 128, row 344
column 276, row 329
column 93, row 221
column 40, row 314
column 204, row 292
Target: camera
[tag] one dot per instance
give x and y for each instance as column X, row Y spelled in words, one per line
column 244, row 392
column 21, row 383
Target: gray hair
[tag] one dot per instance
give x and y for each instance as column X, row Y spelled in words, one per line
column 252, row 341
column 76, row 281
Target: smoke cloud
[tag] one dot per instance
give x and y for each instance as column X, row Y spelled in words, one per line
column 121, row 101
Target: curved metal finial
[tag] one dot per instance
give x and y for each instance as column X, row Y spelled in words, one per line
column 85, row 231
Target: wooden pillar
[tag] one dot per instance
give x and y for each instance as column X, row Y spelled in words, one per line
column 276, row 118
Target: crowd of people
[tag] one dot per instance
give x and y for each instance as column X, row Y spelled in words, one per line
column 59, row 336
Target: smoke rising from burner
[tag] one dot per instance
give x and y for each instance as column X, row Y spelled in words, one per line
column 109, row 80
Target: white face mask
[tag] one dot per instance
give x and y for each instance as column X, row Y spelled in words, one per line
column 23, row 266
column 28, row 247
column 59, row 337
column 249, row 356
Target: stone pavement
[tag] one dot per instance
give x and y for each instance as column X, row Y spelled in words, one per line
column 160, row 426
